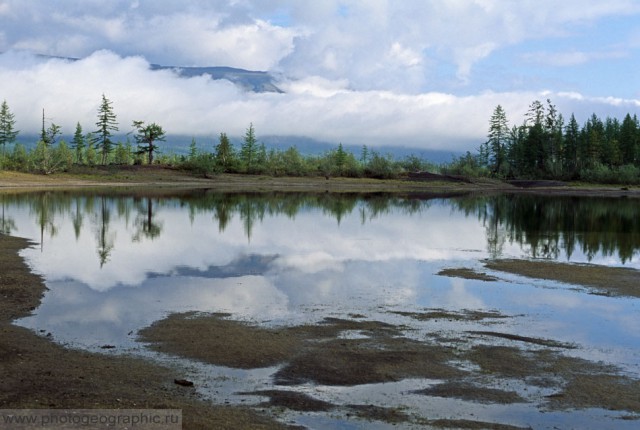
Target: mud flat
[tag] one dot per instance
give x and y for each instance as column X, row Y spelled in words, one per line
column 609, row 281
column 318, row 355
column 37, row 373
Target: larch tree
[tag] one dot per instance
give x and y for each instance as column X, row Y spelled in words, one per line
column 106, row 125
column 146, row 137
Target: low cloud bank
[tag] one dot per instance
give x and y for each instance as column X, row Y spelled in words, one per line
column 315, row 107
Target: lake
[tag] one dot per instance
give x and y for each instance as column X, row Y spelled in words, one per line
column 116, row 262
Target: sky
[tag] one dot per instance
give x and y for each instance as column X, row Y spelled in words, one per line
column 415, row 73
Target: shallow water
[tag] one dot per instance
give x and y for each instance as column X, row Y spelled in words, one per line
column 115, row 264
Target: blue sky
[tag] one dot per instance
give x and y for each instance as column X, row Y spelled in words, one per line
column 414, row 72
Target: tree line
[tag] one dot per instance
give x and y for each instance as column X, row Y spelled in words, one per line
column 99, row 147
column 52, row 154
column 545, row 147
column 542, row 147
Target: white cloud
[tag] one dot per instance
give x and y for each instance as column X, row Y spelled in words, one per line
column 374, row 45
column 361, row 72
column 314, row 107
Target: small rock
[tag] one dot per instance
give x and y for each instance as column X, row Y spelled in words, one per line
column 183, row 382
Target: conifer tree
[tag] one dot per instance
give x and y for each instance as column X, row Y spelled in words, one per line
column 7, row 123
column 249, row 150
column 78, row 144
column 629, row 139
column 224, row 152
column 571, row 144
column 106, row 126
column 147, row 136
column 498, row 139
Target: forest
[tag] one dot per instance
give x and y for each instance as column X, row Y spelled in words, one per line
column 545, row 147
column 542, row 147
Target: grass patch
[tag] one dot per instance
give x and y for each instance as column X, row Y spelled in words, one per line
column 612, row 281
column 470, row 392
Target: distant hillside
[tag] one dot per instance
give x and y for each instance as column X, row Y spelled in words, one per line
column 249, row 80
column 309, row 146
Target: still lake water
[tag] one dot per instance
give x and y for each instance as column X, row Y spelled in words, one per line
column 115, row 263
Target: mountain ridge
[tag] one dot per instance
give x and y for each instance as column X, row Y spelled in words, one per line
column 249, row 80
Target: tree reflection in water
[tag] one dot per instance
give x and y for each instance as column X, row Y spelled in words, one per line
column 543, row 227
column 546, row 226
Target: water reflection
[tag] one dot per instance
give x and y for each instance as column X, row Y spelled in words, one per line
column 116, row 263
column 560, row 226
column 552, row 228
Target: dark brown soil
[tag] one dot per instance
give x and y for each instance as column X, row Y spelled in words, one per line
column 292, row 400
column 522, row 183
column 441, row 314
column 471, row 425
column 534, row 340
column 371, row 412
column 466, row 273
column 471, row 392
column 364, row 361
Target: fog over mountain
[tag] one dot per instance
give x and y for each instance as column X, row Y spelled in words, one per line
column 204, row 101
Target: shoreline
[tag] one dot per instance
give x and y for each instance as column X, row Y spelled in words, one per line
column 163, row 178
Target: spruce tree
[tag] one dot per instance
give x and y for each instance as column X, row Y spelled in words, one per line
column 249, row 150
column 498, row 140
column 78, row 144
column 224, row 152
column 629, row 139
column 571, row 145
